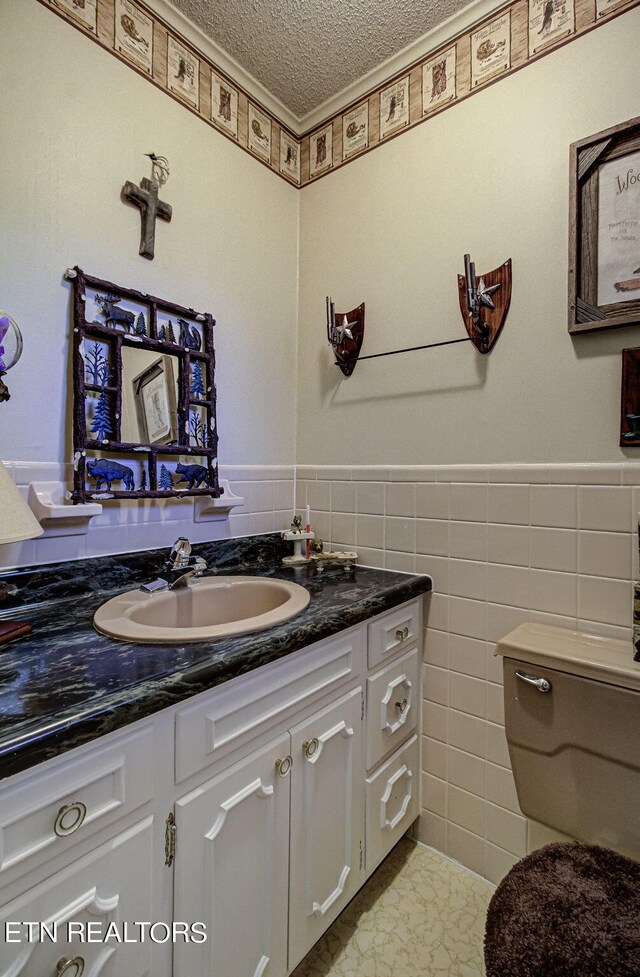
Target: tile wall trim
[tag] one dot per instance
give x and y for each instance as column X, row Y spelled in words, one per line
column 587, row 16
column 504, row 544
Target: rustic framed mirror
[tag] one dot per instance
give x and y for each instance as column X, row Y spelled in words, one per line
column 604, row 230
column 144, row 395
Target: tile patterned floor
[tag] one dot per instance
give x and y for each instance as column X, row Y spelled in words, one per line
column 419, row 915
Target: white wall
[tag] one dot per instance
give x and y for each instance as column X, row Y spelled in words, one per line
column 489, row 176
column 75, row 126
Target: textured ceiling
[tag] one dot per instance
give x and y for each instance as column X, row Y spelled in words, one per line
column 305, row 51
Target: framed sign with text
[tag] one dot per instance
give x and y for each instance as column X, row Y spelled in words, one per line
column 604, row 230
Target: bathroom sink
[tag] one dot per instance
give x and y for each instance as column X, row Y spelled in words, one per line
column 213, row 607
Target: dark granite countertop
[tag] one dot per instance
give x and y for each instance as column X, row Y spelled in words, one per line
column 65, row 684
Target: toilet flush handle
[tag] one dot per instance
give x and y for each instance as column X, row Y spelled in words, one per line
column 541, row 684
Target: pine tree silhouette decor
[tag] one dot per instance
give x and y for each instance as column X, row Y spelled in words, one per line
column 141, row 325
column 143, row 481
column 165, row 481
column 101, row 424
column 169, row 334
column 197, row 383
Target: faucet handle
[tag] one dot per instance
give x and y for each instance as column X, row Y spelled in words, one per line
column 180, row 552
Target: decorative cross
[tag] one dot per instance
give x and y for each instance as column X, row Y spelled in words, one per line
column 145, row 197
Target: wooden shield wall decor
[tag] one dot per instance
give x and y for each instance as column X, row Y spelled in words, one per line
column 348, row 350
column 492, row 319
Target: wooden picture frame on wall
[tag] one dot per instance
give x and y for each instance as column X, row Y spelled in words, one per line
column 630, row 400
column 604, row 230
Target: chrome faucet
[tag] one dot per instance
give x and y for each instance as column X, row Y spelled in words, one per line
column 179, row 568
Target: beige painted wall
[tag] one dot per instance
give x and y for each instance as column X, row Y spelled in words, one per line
column 489, row 176
column 75, row 126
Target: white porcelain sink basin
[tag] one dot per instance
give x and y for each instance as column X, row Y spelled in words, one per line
column 213, row 607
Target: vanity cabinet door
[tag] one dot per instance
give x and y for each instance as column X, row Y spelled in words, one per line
column 393, row 802
column 89, row 908
column 327, row 819
column 393, row 706
column 232, row 851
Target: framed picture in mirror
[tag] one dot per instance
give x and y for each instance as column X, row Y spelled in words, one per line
column 154, row 392
column 144, row 395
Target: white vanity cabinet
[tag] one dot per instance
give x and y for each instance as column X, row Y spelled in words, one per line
column 108, row 885
column 77, row 855
column 327, row 817
column 271, row 846
column 394, row 699
column 257, row 808
column 232, row 863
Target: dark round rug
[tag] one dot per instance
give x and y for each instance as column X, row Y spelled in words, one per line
column 566, row 910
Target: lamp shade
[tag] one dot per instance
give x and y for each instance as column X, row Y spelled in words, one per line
column 17, row 521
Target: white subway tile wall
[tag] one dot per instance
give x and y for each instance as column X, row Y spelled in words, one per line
column 504, row 544
column 122, row 527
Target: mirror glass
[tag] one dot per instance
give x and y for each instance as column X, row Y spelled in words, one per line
column 149, row 396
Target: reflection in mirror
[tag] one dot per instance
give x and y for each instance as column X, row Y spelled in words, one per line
column 149, row 396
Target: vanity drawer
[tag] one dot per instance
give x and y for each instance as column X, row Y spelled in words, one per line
column 393, row 706
column 395, row 631
column 44, row 814
column 392, row 802
column 221, row 721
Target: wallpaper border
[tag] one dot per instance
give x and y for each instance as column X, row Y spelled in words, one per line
column 357, row 128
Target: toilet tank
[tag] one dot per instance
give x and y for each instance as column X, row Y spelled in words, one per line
column 574, row 742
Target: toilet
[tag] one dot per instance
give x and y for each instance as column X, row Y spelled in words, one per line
column 572, row 721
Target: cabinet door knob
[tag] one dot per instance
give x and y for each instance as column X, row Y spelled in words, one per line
column 401, row 705
column 402, row 634
column 69, row 818
column 283, row 765
column 70, row 967
column 310, row 747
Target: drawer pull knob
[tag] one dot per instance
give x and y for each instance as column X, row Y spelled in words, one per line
column 70, row 967
column 283, row 765
column 401, row 705
column 310, row 747
column 68, row 819
column 402, row 634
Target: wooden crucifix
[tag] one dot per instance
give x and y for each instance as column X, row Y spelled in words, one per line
column 145, row 197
